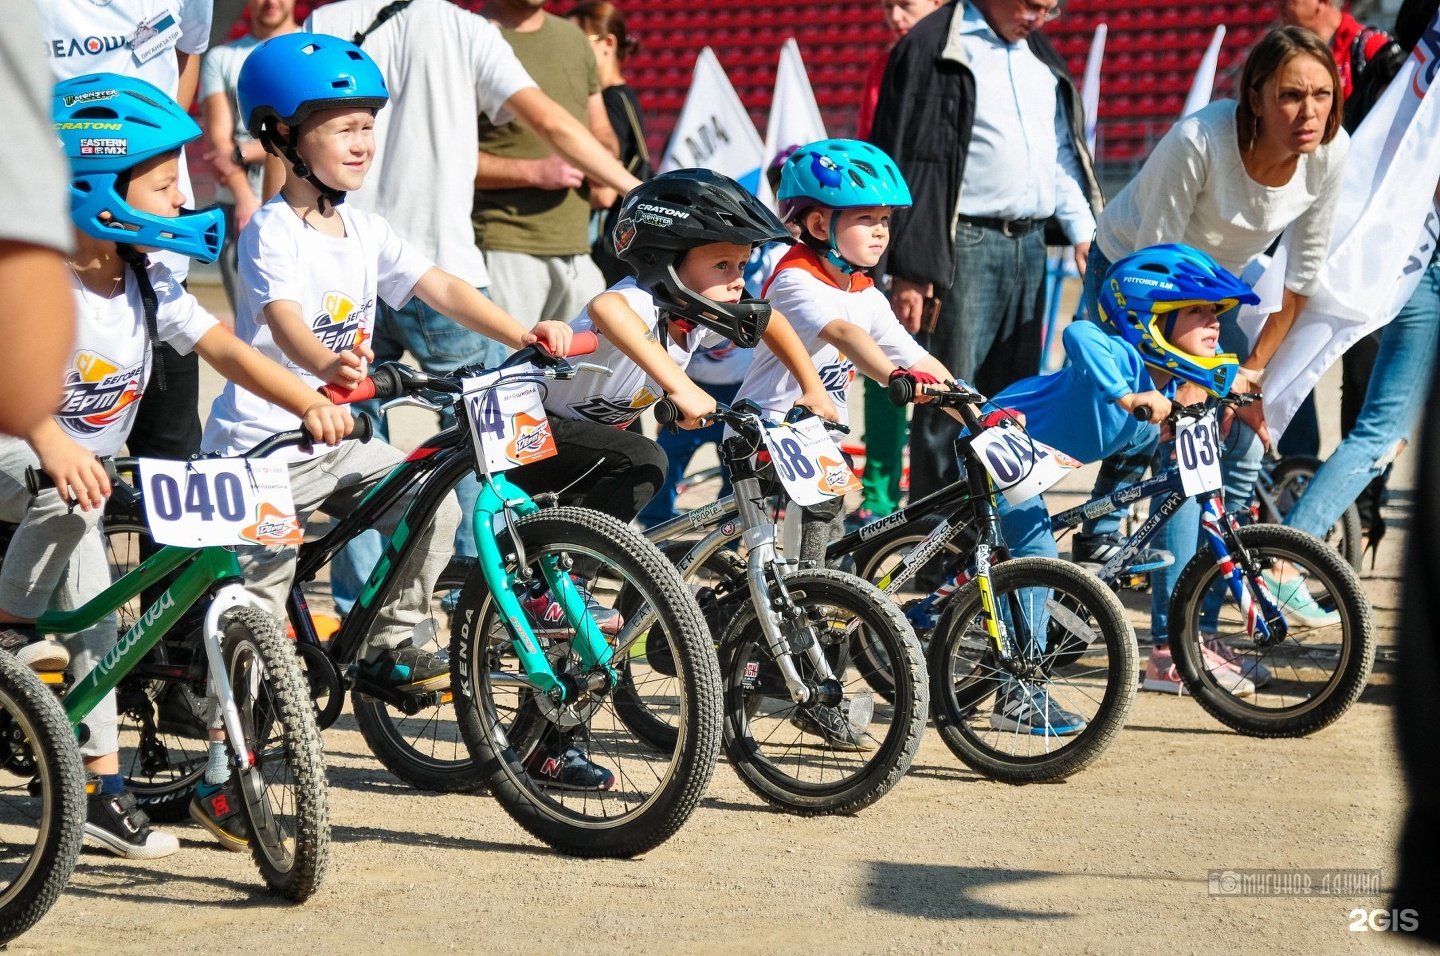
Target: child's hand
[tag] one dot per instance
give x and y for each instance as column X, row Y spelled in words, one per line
column 820, row 403
column 694, row 404
column 78, row 476
column 350, row 366
column 1158, row 404
column 327, row 424
column 555, row 336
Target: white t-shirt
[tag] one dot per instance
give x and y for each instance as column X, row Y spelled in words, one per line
column 445, row 67
column 82, row 37
column 334, row 281
column 811, row 302
column 1194, row 189
column 620, row 398
column 110, row 364
column 220, row 73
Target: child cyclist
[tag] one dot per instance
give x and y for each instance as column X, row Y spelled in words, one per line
column 1162, row 304
column 688, row 234
column 123, row 139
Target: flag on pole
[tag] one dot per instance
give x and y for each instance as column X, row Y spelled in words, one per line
column 714, row 130
column 1090, row 91
column 1386, row 229
column 794, row 114
column 1204, row 84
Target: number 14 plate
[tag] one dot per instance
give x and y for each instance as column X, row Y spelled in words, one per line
column 219, row 502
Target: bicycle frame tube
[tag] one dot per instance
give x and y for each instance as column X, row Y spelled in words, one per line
column 211, row 565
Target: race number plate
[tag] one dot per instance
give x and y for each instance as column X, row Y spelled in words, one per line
column 1197, row 452
column 1021, row 466
column 808, row 462
column 507, row 420
column 219, row 502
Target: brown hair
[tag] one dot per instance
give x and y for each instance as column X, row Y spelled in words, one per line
column 603, row 19
column 1279, row 47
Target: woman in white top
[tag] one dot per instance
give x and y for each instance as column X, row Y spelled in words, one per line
column 1229, row 179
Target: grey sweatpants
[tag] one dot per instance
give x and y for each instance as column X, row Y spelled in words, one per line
column 56, row 561
column 539, row 288
column 335, row 482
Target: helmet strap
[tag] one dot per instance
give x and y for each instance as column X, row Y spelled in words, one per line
column 150, row 302
column 290, row 149
column 832, row 254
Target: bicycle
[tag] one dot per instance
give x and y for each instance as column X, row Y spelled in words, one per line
column 801, row 729
column 1279, row 486
column 1005, row 626
column 249, row 669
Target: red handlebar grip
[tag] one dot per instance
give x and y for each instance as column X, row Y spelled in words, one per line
column 584, row 343
column 340, row 396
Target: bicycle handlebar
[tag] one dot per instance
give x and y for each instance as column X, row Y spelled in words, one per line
column 1143, row 413
column 902, row 392
column 738, row 418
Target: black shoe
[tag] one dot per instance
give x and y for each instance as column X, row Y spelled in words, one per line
column 570, row 770
column 835, row 727
column 32, row 649
column 115, row 822
column 407, row 667
column 217, row 808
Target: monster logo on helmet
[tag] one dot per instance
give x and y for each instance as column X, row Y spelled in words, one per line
column 838, row 174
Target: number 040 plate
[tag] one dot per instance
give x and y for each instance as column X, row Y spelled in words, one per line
column 221, row 502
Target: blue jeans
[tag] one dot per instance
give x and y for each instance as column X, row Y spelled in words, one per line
column 440, row 345
column 679, row 447
column 1396, row 393
column 1240, row 466
column 988, row 333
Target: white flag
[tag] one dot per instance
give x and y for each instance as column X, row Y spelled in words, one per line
column 1090, row 91
column 1386, row 228
column 794, row 114
column 714, row 130
column 1204, row 85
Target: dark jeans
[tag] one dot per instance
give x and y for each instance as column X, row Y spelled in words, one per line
column 988, row 334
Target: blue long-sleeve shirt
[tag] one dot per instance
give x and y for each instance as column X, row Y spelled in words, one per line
column 1074, row 409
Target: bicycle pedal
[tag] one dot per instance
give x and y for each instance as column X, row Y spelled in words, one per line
column 53, row 678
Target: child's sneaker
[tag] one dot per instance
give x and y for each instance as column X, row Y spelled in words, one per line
column 1297, row 602
column 217, row 808
column 115, row 822
column 1161, row 675
column 407, row 667
column 32, row 649
column 1257, row 673
column 547, row 617
column 840, row 731
column 569, row 770
column 1030, row 710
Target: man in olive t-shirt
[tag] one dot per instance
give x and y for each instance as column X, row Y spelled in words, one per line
column 532, row 209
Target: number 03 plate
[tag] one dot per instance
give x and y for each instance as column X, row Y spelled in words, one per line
column 219, row 502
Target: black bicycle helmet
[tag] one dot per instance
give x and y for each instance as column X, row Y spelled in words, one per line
column 666, row 217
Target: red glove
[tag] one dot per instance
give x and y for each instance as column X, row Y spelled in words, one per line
column 915, row 378
column 1001, row 416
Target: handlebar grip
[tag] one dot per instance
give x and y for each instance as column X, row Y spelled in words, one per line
column 666, row 413
column 1142, row 413
column 901, row 390
column 583, row 343
column 342, row 396
column 363, row 430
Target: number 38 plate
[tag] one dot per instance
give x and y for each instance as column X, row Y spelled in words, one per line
column 809, row 464
column 220, row 502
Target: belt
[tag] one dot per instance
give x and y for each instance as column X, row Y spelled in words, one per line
column 1010, row 228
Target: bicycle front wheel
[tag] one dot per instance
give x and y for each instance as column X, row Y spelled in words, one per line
column 1067, row 689
column 819, row 758
column 1296, row 685
column 425, row 749
column 285, row 793
column 42, row 799
column 575, row 774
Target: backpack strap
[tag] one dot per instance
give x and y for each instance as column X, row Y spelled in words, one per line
column 386, row 12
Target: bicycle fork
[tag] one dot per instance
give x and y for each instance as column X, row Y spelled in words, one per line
column 1217, row 528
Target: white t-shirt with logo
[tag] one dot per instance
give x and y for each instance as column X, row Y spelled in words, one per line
column 83, row 37
column 334, row 281
column 620, row 398
column 810, row 304
column 445, row 67
column 109, row 366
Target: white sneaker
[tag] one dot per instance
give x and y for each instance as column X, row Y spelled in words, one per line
column 117, row 824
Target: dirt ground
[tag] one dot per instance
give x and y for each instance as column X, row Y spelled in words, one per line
column 1114, row 860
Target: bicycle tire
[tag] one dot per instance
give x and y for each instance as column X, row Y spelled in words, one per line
column 42, row 788
column 285, row 792
column 767, row 735
column 425, row 750
column 1290, row 705
column 1100, row 686
column 505, row 724
column 1289, row 479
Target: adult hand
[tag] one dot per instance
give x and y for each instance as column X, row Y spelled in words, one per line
column 245, row 207
column 601, row 196
column 1252, row 415
column 553, row 172
column 1082, row 257
column 907, row 299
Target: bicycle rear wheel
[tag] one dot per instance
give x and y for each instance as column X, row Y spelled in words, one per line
column 512, row 729
column 425, row 749
column 987, row 715
column 285, row 792
column 42, row 799
column 1299, row 684
column 1291, row 477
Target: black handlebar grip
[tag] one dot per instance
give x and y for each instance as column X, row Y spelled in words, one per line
column 364, row 429
column 901, row 390
column 36, row 479
column 1142, row 413
column 666, row 413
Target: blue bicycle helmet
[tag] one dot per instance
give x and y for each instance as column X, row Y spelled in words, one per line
column 109, row 124
column 838, row 174
column 1158, row 281
column 288, row 78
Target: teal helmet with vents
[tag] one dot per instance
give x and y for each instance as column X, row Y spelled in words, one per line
column 839, row 174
